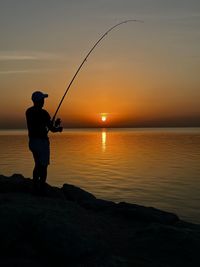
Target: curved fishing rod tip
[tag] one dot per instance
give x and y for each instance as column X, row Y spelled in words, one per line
column 134, row 20
column 85, row 59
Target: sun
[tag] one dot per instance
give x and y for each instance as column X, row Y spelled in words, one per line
column 103, row 118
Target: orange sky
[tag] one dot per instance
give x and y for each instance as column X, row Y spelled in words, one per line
column 140, row 75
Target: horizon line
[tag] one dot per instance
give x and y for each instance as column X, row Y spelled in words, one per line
column 115, row 127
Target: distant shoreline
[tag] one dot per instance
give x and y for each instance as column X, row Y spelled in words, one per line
column 180, row 130
column 110, row 128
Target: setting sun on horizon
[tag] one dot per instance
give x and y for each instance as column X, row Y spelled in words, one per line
column 103, row 117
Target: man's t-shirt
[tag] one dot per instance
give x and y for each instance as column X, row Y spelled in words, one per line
column 38, row 122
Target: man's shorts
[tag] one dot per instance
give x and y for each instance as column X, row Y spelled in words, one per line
column 40, row 149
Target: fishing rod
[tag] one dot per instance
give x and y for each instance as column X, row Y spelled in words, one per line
column 85, row 59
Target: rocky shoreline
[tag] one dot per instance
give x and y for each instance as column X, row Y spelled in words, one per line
column 71, row 227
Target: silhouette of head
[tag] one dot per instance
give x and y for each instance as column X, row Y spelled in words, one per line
column 38, row 98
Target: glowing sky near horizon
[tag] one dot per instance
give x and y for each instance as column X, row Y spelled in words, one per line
column 142, row 74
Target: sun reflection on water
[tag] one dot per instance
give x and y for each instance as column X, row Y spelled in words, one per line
column 103, row 140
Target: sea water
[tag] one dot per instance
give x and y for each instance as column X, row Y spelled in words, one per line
column 151, row 167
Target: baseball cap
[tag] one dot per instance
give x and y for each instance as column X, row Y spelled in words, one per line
column 37, row 96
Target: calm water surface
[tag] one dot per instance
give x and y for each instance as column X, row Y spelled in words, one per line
column 152, row 167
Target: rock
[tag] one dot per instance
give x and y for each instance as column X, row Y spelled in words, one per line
column 71, row 227
column 15, row 183
column 98, row 204
column 45, row 229
column 85, row 199
column 171, row 243
column 76, row 194
column 148, row 214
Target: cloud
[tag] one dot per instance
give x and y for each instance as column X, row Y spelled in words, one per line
column 16, row 56
column 7, row 72
column 24, row 56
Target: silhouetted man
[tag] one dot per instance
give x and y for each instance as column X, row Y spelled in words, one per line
column 38, row 124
